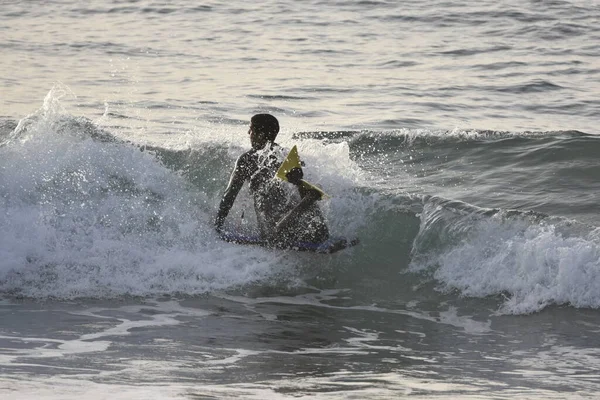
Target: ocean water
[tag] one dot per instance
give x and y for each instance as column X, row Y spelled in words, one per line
column 457, row 140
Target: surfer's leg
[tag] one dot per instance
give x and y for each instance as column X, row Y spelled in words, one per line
column 291, row 218
column 304, row 223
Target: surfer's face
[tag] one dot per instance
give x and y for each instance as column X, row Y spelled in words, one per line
column 257, row 139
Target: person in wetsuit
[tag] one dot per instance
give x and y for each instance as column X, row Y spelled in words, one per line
column 282, row 220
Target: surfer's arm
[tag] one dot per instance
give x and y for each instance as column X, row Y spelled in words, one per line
column 238, row 176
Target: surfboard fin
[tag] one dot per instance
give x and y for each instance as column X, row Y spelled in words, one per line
column 293, row 161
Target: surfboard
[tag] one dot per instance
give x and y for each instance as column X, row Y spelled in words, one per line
column 331, row 245
column 293, row 161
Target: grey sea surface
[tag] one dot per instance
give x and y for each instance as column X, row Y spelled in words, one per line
column 176, row 66
column 457, row 140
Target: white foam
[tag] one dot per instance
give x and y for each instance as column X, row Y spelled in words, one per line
column 535, row 264
column 342, row 384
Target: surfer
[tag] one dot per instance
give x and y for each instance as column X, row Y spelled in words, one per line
column 282, row 220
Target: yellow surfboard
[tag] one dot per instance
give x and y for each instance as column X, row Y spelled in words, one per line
column 293, row 161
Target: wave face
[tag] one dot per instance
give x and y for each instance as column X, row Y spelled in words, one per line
column 504, row 216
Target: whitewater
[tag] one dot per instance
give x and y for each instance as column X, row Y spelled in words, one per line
column 459, row 142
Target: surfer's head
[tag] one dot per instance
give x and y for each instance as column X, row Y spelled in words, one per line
column 263, row 128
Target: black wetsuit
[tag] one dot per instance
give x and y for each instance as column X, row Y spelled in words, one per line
column 272, row 201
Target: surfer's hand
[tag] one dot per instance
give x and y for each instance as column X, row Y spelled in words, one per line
column 295, row 176
column 314, row 194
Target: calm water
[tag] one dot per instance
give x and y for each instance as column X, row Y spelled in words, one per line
column 457, row 140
